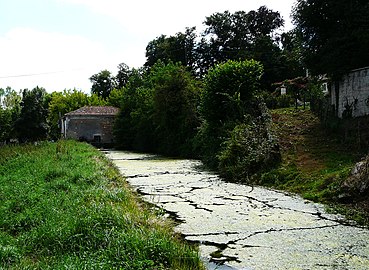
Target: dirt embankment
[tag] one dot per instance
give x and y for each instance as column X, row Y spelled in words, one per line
column 325, row 163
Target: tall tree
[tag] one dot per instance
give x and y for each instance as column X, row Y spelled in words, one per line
column 334, row 34
column 178, row 48
column 9, row 112
column 11, row 99
column 240, row 36
column 32, row 122
column 122, row 78
column 133, row 127
column 292, row 55
column 102, row 83
column 176, row 96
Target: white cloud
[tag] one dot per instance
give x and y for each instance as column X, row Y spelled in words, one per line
column 152, row 18
column 69, row 60
column 54, row 56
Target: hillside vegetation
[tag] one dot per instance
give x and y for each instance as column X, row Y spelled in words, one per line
column 64, row 206
column 315, row 163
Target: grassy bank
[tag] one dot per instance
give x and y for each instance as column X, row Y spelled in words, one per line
column 64, row 206
column 314, row 162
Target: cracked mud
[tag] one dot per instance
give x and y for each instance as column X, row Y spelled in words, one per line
column 244, row 227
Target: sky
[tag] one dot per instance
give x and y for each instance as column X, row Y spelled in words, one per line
column 60, row 44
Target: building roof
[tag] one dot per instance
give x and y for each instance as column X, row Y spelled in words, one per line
column 95, row 110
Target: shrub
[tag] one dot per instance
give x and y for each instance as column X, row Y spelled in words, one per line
column 250, row 148
column 227, row 98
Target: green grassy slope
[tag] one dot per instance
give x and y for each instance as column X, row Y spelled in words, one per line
column 64, row 206
column 314, row 163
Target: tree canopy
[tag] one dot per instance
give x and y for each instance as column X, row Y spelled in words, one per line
column 178, row 48
column 334, row 34
column 229, row 36
column 102, row 83
column 32, row 122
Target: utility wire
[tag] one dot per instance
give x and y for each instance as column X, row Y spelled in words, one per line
column 36, row 74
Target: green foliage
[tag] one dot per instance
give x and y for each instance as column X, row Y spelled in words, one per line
column 67, row 101
column 232, row 36
column 122, row 77
column 229, row 88
column 334, row 34
column 178, row 48
column 314, row 163
column 32, row 123
column 63, row 205
column 10, row 99
column 5, row 124
column 275, row 100
column 227, row 98
column 252, row 35
column 133, row 128
column 175, row 100
column 9, row 113
column 158, row 111
column 102, row 84
column 249, row 149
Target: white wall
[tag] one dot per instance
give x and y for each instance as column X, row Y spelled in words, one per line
column 354, row 90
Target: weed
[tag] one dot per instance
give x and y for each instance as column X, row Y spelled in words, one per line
column 314, row 162
column 64, row 206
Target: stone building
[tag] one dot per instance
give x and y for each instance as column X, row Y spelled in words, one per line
column 93, row 124
column 352, row 96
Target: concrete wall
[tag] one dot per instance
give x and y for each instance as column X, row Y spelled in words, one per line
column 89, row 128
column 353, row 93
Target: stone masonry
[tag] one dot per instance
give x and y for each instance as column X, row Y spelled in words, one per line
column 93, row 124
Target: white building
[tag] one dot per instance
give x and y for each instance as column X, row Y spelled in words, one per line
column 353, row 94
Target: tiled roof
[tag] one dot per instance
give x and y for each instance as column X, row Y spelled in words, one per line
column 95, row 110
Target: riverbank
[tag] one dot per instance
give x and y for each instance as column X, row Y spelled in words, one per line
column 314, row 163
column 64, row 206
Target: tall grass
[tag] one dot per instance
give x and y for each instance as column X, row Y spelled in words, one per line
column 64, row 206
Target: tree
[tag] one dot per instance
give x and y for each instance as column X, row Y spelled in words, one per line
column 240, row 36
column 32, row 122
column 122, row 78
column 334, row 34
column 10, row 99
column 178, row 48
column 226, row 100
column 102, row 83
column 133, row 127
column 176, row 96
column 159, row 110
column 292, row 55
column 228, row 89
column 9, row 113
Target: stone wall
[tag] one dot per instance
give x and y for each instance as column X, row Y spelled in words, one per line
column 92, row 128
column 353, row 94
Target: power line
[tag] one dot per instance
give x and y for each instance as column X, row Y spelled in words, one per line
column 36, row 74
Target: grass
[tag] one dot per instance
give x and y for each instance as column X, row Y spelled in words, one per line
column 65, row 206
column 314, row 163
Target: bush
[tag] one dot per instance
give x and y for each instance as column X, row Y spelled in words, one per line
column 275, row 100
column 228, row 96
column 250, row 148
